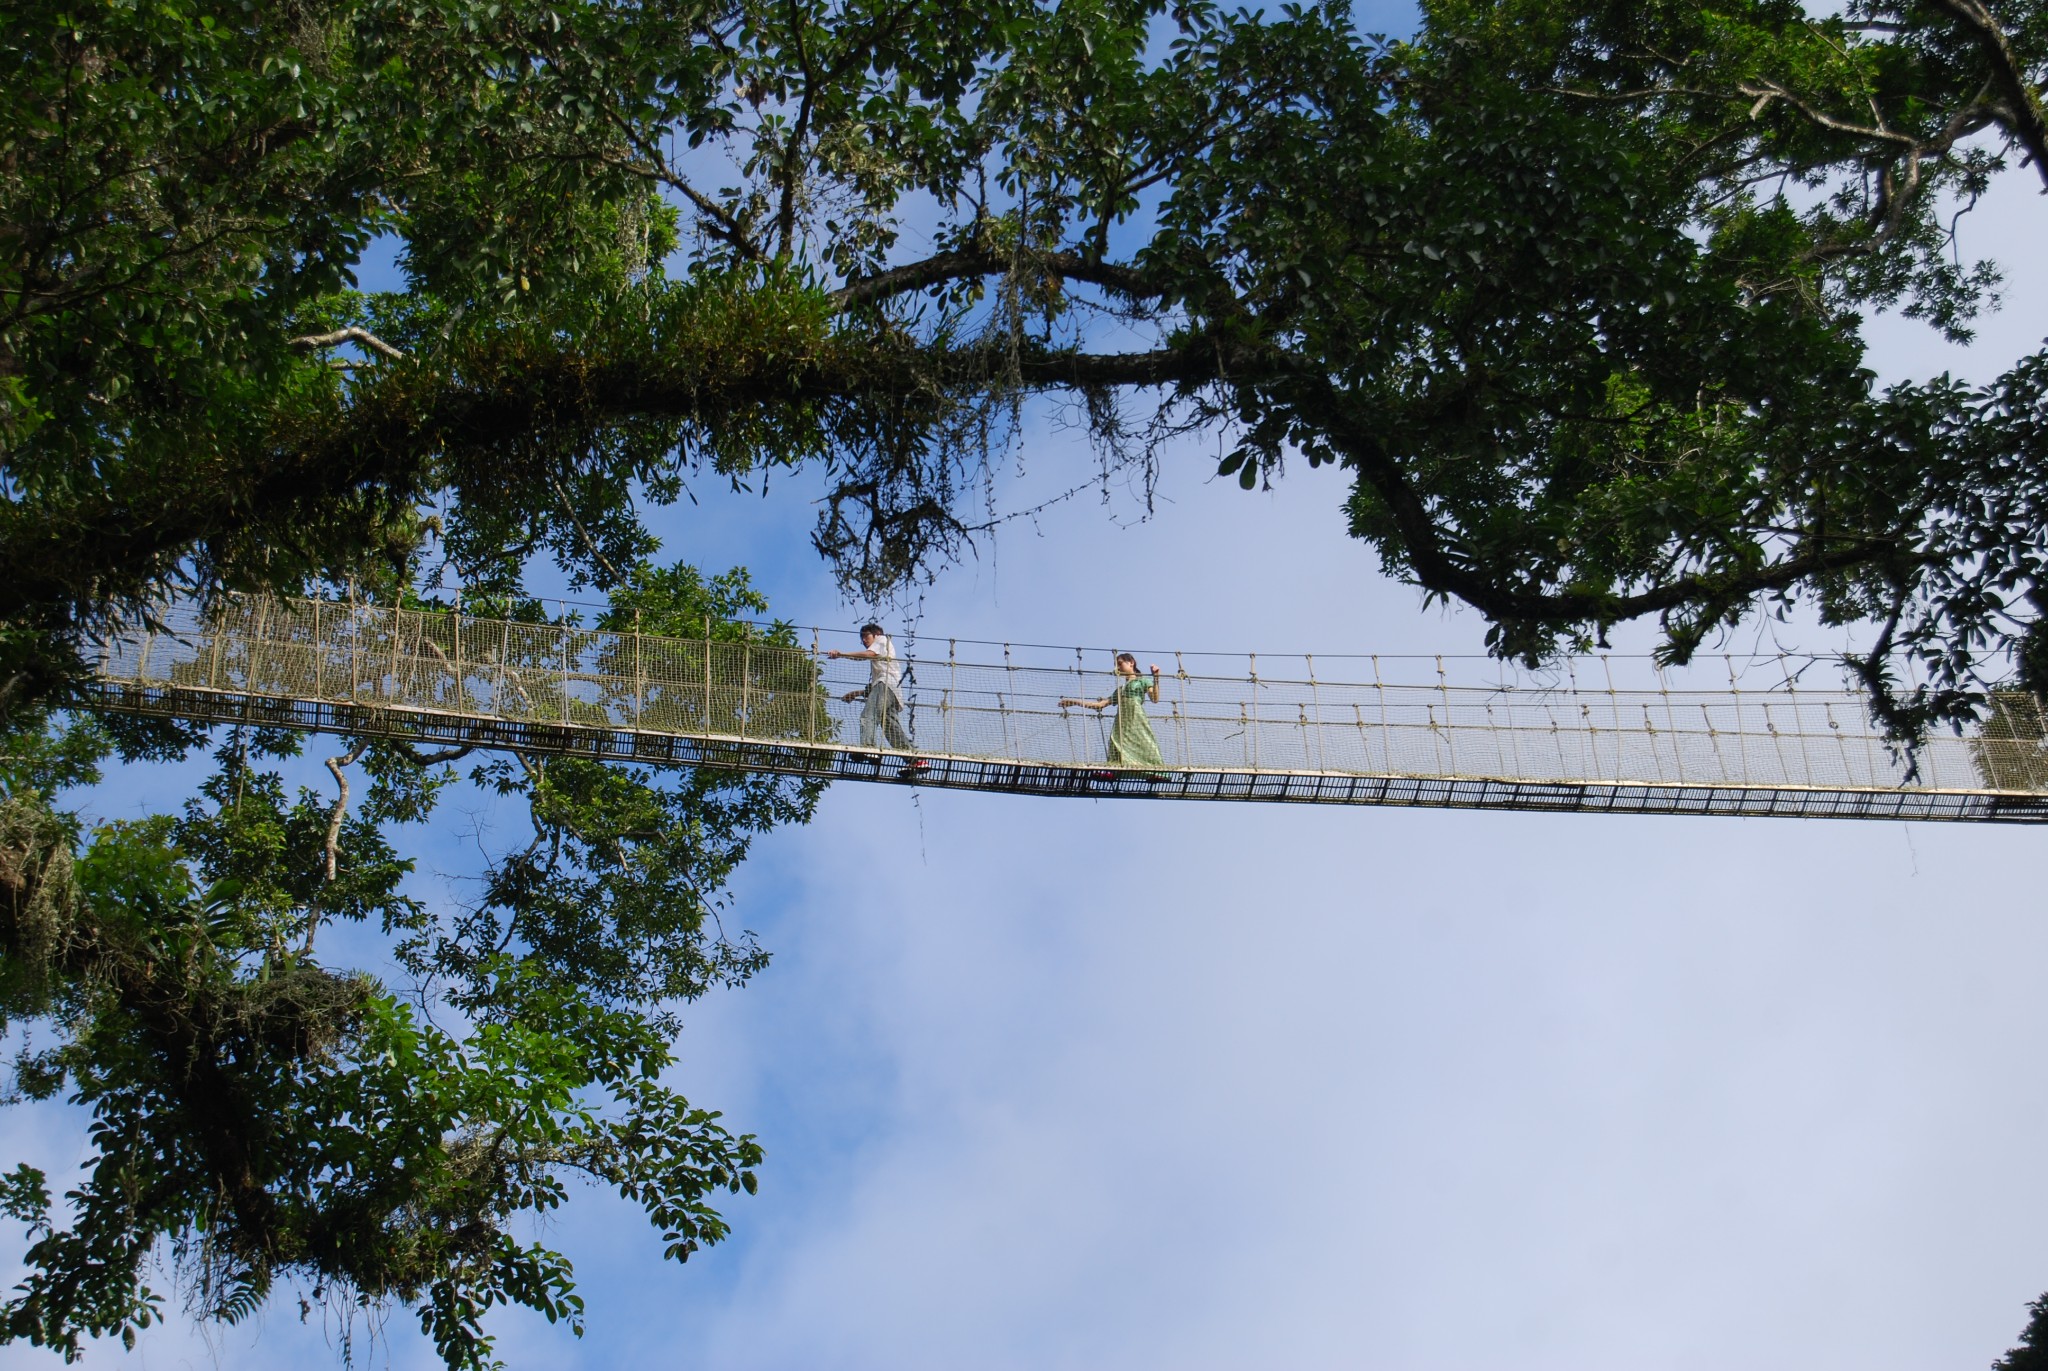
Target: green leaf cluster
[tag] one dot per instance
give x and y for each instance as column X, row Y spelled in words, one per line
column 262, row 1113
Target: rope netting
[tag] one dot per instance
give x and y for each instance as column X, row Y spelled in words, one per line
column 1415, row 717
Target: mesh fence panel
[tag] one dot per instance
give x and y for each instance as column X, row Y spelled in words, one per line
column 765, row 689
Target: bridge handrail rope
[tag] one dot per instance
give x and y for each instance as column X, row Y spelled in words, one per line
column 766, row 700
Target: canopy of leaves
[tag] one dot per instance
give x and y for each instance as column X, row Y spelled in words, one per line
column 264, row 1115
column 1574, row 294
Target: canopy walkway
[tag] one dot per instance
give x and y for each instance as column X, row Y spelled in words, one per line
column 989, row 718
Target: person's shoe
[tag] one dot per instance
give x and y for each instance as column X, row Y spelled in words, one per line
column 1102, row 775
column 916, row 767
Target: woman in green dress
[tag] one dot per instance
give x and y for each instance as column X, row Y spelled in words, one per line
column 1131, row 742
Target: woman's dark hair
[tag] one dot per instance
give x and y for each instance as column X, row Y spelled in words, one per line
column 1130, row 657
column 876, row 629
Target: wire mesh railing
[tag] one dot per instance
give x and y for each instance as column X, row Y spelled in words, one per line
column 1416, row 718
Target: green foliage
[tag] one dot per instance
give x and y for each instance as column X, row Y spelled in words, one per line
column 2032, row 1353
column 1690, row 208
column 1573, row 295
column 196, row 394
column 263, row 1115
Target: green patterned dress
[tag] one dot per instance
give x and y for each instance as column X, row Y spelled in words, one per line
column 1131, row 742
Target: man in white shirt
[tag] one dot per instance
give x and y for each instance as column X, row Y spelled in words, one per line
column 882, row 718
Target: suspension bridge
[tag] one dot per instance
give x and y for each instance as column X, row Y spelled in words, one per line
column 1398, row 731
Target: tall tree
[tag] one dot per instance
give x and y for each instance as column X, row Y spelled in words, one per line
column 262, row 1111
column 1575, row 295
column 186, row 191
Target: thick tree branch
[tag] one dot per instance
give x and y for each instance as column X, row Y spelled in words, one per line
column 1438, row 568
column 2021, row 112
column 792, row 170
column 959, row 266
column 379, row 447
column 434, row 758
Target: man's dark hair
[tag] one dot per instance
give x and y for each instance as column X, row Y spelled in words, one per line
column 876, row 629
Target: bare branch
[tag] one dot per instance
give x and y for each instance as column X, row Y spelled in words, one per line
column 1766, row 91
column 333, row 843
column 582, row 533
column 362, row 336
column 656, row 168
column 335, row 816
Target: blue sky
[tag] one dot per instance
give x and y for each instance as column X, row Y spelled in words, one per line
column 1103, row 1084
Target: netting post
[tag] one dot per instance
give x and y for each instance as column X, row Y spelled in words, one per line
column 1514, row 731
column 1315, row 694
column 455, row 657
column 1180, row 710
column 254, row 657
column 1777, row 737
column 1614, row 713
column 397, row 632
column 1870, row 757
column 1074, row 748
column 1841, row 744
column 1443, row 689
column 952, row 688
column 1386, row 732
column 220, row 629
column 1587, row 732
column 1012, row 748
column 815, row 695
column 562, row 659
column 745, row 720
column 1714, row 742
column 249, row 685
column 355, row 642
column 1741, row 731
column 1650, row 731
column 639, row 675
column 1252, row 728
column 1671, row 723
column 319, row 656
